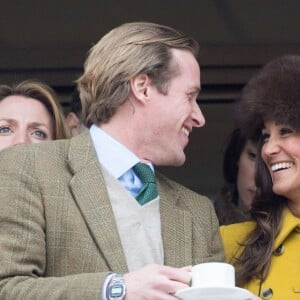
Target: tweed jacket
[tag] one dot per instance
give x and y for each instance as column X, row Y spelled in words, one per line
column 58, row 235
column 283, row 280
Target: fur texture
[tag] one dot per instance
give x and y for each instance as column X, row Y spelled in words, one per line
column 272, row 94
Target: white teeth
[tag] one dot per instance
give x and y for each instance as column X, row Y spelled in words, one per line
column 186, row 132
column 283, row 165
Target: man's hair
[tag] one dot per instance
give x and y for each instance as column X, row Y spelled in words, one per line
column 124, row 52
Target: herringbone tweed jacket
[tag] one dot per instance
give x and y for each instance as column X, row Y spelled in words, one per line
column 58, row 235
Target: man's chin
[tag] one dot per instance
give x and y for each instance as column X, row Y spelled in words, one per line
column 178, row 162
column 175, row 161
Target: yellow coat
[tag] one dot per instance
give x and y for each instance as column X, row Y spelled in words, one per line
column 283, row 280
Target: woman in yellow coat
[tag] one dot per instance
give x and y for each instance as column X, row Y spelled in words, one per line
column 266, row 251
column 283, row 280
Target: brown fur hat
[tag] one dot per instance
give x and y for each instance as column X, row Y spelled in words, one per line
column 272, row 94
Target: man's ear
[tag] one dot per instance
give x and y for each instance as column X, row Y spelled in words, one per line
column 140, row 87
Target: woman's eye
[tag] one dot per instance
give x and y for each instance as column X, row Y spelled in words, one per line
column 5, row 130
column 286, row 131
column 40, row 134
column 252, row 155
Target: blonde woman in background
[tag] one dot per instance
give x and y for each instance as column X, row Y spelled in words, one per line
column 30, row 113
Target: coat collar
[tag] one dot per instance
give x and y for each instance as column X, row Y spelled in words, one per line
column 290, row 223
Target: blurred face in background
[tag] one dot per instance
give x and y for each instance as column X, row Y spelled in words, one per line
column 23, row 121
column 246, row 176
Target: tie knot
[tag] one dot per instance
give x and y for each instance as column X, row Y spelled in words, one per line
column 144, row 172
column 148, row 191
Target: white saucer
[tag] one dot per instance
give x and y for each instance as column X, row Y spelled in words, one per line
column 213, row 293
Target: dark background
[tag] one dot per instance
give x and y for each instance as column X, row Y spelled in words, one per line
column 49, row 40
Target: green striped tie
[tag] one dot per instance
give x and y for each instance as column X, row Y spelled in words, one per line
column 148, row 191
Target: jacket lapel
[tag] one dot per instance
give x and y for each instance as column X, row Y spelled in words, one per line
column 91, row 196
column 176, row 227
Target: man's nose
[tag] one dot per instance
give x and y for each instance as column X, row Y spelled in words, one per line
column 197, row 116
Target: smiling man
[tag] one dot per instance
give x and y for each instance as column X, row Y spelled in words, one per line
column 89, row 217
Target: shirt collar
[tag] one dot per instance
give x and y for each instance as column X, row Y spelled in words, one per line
column 115, row 157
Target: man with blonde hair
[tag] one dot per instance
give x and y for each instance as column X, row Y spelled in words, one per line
column 90, row 217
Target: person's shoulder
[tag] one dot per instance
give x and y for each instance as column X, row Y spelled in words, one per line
column 55, row 147
column 233, row 236
column 48, row 158
column 239, row 229
column 29, row 156
column 39, row 148
column 189, row 197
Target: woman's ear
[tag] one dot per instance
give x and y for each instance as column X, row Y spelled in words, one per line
column 140, row 86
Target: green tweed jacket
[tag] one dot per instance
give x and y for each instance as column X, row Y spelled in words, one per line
column 58, row 236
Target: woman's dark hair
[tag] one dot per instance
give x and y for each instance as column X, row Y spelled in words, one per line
column 234, row 147
column 226, row 204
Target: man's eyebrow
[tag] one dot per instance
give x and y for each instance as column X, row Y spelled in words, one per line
column 194, row 91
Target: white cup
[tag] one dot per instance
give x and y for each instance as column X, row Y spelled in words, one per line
column 213, row 274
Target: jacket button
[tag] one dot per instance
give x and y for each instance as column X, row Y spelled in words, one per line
column 267, row 293
column 279, row 250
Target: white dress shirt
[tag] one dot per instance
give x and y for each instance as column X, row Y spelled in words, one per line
column 117, row 159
